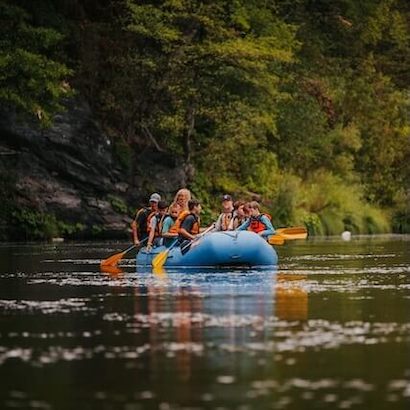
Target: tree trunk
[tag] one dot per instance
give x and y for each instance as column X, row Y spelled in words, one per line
column 189, row 168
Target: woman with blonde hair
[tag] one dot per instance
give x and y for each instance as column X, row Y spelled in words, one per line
column 182, row 197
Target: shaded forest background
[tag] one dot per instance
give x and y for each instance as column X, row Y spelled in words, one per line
column 302, row 104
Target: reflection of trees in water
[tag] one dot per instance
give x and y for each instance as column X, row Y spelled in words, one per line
column 181, row 303
column 184, row 313
column 214, row 308
column 186, row 304
column 291, row 298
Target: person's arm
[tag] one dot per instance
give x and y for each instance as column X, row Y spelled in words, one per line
column 270, row 230
column 210, row 228
column 244, row 226
column 134, row 233
column 218, row 223
column 186, row 227
column 134, row 227
column 166, row 227
column 186, row 234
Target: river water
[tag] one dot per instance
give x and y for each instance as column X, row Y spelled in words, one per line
column 329, row 328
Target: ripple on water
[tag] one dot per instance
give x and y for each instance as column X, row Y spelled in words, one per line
column 246, row 282
column 46, row 307
column 341, row 257
column 286, row 337
column 238, row 327
column 87, row 261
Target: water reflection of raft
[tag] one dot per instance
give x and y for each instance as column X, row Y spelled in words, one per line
column 234, row 248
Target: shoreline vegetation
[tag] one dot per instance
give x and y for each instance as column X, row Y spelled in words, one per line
column 303, row 106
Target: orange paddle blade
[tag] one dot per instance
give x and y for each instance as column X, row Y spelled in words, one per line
column 297, row 232
column 113, row 271
column 276, row 240
column 113, row 259
column 282, row 234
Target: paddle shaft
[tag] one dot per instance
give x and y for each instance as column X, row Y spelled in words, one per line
column 161, row 258
column 113, row 259
column 198, row 237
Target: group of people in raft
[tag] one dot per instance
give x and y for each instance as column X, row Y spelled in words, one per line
column 160, row 224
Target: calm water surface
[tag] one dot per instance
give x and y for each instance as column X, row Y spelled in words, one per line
column 330, row 328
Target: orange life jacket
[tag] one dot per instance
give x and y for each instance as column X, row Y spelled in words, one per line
column 256, row 224
column 175, row 228
column 157, row 225
column 195, row 226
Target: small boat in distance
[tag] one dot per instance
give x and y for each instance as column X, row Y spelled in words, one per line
column 229, row 248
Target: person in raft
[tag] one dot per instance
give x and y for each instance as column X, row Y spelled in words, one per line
column 225, row 219
column 189, row 227
column 258, row 222
column 139, row 224
column 168, row 230
column 240, row 214
column 154, row 224
column 181, row 198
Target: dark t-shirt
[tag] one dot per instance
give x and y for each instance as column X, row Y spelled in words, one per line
column 141, row 220
column 188, row 224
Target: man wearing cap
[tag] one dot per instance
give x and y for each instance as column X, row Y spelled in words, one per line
column 154, row 225
column 139, row 224
column 223, row 223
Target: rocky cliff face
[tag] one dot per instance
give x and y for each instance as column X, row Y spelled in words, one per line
column 66, row 175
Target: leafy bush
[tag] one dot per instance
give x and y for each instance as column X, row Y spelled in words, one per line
column 331, row 206
column 118, row 204
column 33, row 225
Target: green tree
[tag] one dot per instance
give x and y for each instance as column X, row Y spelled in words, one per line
column 194, row 74
column 353, row 118
column 31, row 79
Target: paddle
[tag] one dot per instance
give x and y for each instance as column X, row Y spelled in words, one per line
column 113, row 271
column 113, row 259
column 194, row 242
column 276, row 240
column 296, row 232
column 161, row 258
column 282, row 234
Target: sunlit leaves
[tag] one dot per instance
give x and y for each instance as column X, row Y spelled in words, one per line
column 208, row 64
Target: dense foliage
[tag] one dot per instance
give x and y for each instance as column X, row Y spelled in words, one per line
column 304, row 104
column 31, row 76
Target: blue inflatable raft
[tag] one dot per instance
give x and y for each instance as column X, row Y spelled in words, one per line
column 231, row 248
